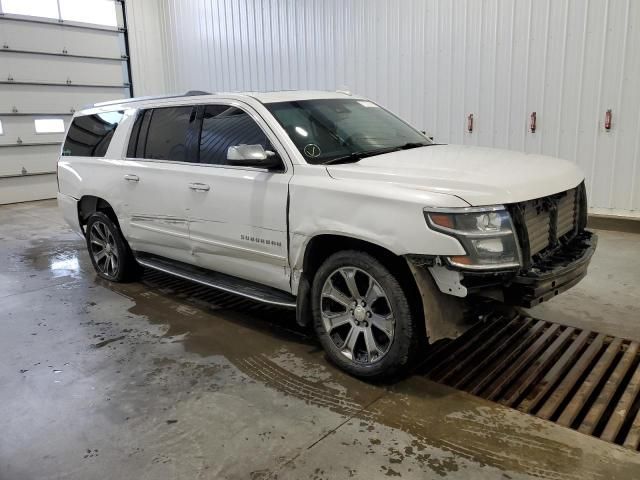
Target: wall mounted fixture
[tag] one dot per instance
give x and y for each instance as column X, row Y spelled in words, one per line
column 470, row 123
column 607, row 120
column 532, row 122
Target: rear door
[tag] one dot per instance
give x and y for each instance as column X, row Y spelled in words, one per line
column 159, row 166
column 238, row 220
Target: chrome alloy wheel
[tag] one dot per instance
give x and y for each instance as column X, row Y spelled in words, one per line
column 357, row 315
column 103, row 249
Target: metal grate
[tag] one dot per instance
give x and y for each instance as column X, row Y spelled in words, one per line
column 580, row 379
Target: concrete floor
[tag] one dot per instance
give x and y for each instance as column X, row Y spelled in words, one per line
column 127, row 382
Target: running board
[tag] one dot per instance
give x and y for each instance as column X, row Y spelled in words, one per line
column 220, row 281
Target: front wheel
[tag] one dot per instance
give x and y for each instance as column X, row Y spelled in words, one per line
column 110, row 255
column 362, row 316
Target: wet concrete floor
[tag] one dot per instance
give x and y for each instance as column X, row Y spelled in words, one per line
column 132, row 381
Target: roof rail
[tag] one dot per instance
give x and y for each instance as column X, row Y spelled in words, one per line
column 190, row 93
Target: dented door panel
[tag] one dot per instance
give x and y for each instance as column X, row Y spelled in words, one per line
column 156, row 208
column 239, row 226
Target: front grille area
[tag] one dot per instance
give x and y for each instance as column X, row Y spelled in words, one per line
column 546, row 223
column 567, row 214
column 537, row 219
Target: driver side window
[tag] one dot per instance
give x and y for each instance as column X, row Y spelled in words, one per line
column 224, row 126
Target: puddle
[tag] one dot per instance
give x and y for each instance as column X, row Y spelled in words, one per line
column 60, row 259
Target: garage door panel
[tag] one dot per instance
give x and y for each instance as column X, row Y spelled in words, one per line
column 27, row 188
column 33, row 98
column 25, row 67
column 56, row 38
column 24, row 128
column 28, row 160
column 40, row 56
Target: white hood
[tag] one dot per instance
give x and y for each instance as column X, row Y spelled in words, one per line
column 478, row 175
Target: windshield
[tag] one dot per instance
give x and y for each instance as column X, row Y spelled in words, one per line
column 342, row 130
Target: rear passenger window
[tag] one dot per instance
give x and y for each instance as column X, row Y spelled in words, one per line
column 224, row 126
column 90, row 135
column 170, row 136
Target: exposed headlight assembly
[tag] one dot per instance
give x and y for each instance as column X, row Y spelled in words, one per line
column 486, row 233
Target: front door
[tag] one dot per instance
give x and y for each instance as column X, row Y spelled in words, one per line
column 238, row 217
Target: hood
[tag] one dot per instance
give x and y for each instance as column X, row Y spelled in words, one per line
column 478, row 175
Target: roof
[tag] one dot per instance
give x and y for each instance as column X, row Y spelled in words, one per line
column 264, row 97
column 294, row 95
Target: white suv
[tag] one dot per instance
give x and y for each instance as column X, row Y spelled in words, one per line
column 323, row 202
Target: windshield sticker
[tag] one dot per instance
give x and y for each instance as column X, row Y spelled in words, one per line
column 364, row 103
column 312, row 150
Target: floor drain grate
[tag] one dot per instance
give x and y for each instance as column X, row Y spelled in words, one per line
column 584, row 380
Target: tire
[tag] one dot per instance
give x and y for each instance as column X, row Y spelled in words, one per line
column 388, row 321
column 109, row 252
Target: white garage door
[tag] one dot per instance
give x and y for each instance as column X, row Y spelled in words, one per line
column 55, row 57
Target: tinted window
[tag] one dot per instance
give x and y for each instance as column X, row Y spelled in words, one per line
column 90, row 135
column 170, row 136
column 223, row 127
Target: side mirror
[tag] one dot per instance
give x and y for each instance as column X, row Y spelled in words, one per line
column 252, row 156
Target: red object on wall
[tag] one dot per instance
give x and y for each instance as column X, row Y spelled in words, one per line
column 607, row 120
column 470, row 123
column 532, row 122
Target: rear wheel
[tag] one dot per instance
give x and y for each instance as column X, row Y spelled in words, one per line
column 362, row 316
column 109, row 252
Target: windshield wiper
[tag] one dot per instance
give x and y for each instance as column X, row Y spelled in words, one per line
column 409, row 145
column 356, row 156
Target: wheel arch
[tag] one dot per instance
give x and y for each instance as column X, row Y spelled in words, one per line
column 321, row 246
column 89, row 204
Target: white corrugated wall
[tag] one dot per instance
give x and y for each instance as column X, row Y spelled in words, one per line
column 433, row 62
column 145, row 22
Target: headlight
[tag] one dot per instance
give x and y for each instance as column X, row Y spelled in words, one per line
column 486, row 233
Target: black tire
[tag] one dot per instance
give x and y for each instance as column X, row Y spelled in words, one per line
column 124, row 267
column 405, row 341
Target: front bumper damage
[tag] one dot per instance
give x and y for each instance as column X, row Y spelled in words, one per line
column 550, row 276
column 546, row 277
column 447, row 316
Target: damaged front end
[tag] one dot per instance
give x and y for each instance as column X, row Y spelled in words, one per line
column 553, row 248
column 549, row 276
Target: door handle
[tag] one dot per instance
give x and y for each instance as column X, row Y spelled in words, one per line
column 199, row 187
column 131, row 178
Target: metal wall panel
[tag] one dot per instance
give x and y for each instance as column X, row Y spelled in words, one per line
column 54, row 99
column 19, row 160
column 147, row 41
column 28, row 187
column 433, row 62
column 57, row 38
column 29, row 67
column 23, row 128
